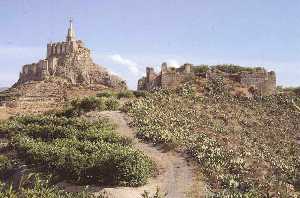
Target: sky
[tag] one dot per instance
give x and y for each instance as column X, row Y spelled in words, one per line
column 127, row 36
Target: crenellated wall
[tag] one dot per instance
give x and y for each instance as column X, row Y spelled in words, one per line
column 264, row 82
column 71, row 61
column 48, row 67
column 169, row 77
column 34, row 71
column 62, row 48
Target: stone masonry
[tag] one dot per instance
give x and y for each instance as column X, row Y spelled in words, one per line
column 69, row 60
column 258, row 80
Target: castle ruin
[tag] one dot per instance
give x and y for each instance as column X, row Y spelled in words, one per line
column 70, row 60
column 256, row 79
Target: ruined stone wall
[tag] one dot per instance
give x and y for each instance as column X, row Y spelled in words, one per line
column 263, row 82
column 269, row 86
column 169, row 77
column 34, row 71
column 173, row 79
column 141, row 84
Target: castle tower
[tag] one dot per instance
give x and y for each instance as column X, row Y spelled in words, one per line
column 150, row 74
column 71, row 33
column 164, row 67
column 187, row 68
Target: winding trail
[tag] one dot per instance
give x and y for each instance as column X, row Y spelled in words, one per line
column 176, row 176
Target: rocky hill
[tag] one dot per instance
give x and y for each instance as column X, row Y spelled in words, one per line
column 68, row 71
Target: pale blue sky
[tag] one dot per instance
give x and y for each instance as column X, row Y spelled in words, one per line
column 127, row 35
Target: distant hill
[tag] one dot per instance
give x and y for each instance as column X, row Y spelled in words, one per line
column 3, row 88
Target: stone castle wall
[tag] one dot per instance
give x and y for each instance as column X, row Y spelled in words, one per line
column 62, row 48
column 262, row 81
column 173, row 77
column 34, row 71
column 48, row 67
column 169, row 77
column 72, row 61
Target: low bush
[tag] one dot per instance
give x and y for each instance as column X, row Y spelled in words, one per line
column 201, row 68
column 5, row 166
column 87, row 162
column 125, row 94
column 39, row 188
column 106, row 94
column 230, row 68
column 80, row 106
column 112, row 104
column 139, row 93
column 79, row 150
column 89, row 104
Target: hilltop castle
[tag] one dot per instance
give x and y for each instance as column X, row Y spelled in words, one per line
column 67, row 72
column 256, row 80
column 69, row 60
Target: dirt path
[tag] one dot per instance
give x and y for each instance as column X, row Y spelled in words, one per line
column 177, row 177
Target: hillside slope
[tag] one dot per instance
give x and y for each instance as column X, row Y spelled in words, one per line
column 243, row 146
column 176, row 176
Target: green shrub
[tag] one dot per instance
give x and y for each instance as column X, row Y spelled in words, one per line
column 112, row 104
column 79, row 150
column 201, row 68
column 87, row 162
column 125, row 94
column 38, row 188
column 5, row 165
column 89, row 104
column 77, row 107
column 139, row 93
column 216, row 86
column 106, row 94
column 230, row 68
